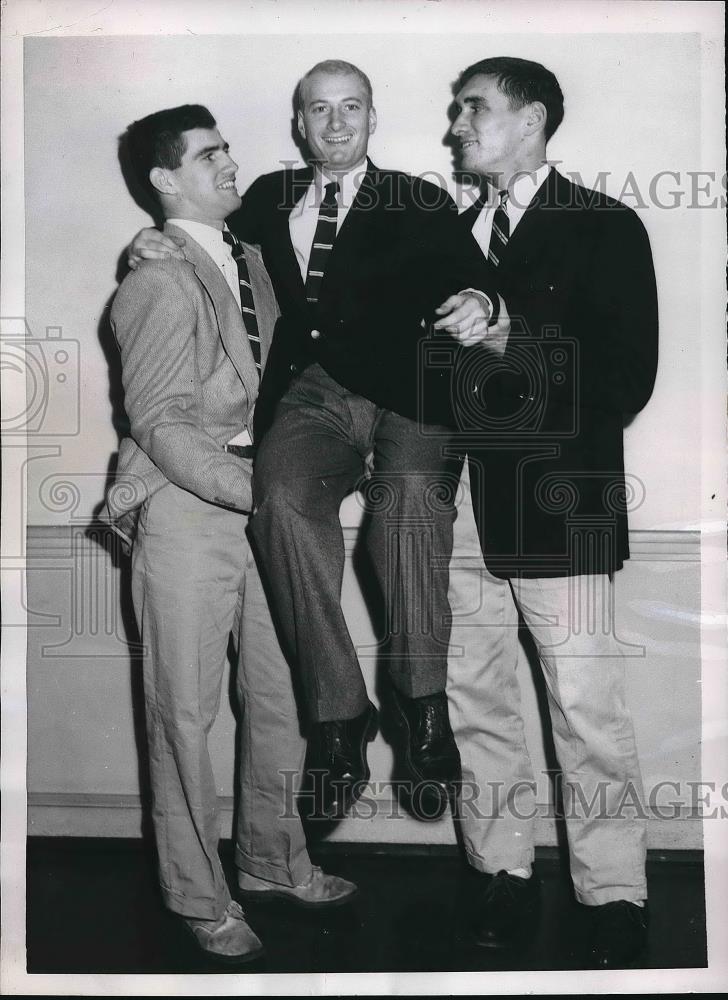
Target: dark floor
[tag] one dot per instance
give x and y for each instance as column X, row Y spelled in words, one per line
column 93, row 906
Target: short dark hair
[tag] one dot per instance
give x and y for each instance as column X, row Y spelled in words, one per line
column 158, row 140
column 334, row 66
column 522, row 81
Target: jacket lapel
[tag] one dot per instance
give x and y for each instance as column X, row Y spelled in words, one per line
column 533, row 228
column 230, row 323
column 280, row 238
column 348, row 238
column 364, row 231
column 366, row 197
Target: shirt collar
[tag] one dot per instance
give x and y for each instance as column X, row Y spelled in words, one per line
column 524, row 188
column 349, row 185
column 209, row 238
column 521, row 192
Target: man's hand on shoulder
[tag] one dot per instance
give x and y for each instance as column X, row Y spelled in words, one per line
column 150, row 244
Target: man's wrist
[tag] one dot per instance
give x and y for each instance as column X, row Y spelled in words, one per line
column 485, row 299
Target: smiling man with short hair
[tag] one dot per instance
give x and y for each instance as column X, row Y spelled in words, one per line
column 544, row 437
column 362, row 260
column 193, row 334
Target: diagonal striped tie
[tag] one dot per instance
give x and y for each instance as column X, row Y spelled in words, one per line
column 501, row 231
column 323, row 241
column 246, row 295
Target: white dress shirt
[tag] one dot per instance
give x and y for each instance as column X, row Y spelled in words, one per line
column 520, row 196
column 304, row 216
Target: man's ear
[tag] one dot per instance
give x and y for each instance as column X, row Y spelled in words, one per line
column 301, row 124
column 372, row 120
column 536, row 118
column 161, row 181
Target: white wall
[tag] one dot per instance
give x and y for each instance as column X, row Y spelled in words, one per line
column 632, row 110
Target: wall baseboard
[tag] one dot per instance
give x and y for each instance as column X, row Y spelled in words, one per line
column 383, row 821
column 85, row 717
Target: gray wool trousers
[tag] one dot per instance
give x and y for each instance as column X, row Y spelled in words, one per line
column 311, row 458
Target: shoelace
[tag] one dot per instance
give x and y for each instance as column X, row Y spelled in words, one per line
column 315, row 873
column 433, row 725
column 331, row 739
column 233, row 909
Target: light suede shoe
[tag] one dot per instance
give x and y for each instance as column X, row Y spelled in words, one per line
column 319, row 890
column 229, row 938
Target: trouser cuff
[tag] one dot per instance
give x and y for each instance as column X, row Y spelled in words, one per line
column 522, row 860
column 271, row 872
column 197, row 908
column 598, row 897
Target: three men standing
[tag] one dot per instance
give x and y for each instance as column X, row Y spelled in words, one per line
column 539, row 397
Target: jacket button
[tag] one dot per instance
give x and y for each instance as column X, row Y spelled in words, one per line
column 315, row 334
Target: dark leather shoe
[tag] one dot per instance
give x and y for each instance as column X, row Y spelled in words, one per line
column 338, row 756
column 619, row 934
column 502, row 909
column 431, row 758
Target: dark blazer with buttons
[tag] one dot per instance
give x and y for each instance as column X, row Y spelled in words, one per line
column 190, row 381
column 398, row 255
column 544, row 424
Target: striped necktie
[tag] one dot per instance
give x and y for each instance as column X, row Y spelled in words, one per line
column 323, row 241
column 246, row 296
column 501, row 231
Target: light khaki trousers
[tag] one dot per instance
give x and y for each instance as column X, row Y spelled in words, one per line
column 571, row 622
column 194, row 584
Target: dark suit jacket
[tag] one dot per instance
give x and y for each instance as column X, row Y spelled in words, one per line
column 190, row 381
column 544, row 423
column 399, row 254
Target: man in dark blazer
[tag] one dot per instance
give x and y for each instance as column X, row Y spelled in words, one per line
column 346, row 377
column 191, row 343
column 541, row 411
column 362, row 260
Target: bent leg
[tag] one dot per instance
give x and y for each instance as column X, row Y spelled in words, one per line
column 307, row 463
